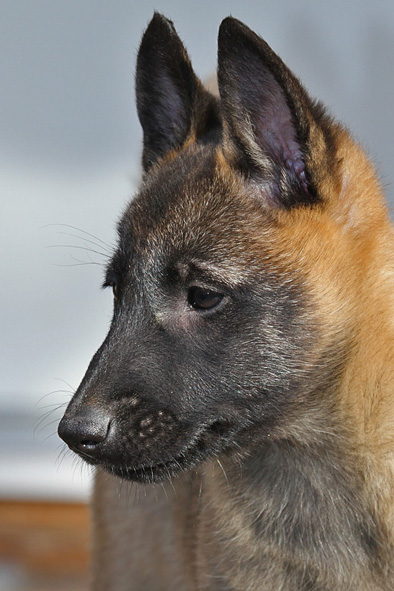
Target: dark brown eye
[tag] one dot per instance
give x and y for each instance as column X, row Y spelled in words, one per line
column 115, row 290
column 202, row 299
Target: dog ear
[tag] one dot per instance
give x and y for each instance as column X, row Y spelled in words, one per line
column 272, row 129
column 171, row 101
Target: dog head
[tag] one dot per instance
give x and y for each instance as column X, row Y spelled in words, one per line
column 218, row 340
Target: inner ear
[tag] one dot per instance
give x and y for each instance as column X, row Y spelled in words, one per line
column 266, row 113
column 275, row 130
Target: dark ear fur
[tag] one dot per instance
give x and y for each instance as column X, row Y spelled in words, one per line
column 171, row 101
column 269, row 119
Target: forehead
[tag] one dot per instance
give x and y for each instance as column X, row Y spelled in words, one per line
column 193, row 207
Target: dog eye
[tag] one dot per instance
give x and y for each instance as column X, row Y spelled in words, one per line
column 200, row 298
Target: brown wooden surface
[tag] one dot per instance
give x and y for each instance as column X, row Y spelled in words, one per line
column 44, row 538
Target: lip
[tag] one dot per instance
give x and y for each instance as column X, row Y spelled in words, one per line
column 210, row 440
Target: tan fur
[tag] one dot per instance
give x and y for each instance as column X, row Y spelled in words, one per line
column 345, row 250
column 310, row 506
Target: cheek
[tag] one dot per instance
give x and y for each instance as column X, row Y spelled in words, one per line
column 176, row 318
column 189, row 328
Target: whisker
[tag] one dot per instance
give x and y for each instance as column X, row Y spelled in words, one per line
column 72, row 389
column 108, row 246
column 86, row 240
column 78, row 247
column 41, row 424
column 223, row 470
column 64, row 451
column 77, row 264
column 70, row 392
column 51, row 434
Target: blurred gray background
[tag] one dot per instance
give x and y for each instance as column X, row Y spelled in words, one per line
column 69, row 161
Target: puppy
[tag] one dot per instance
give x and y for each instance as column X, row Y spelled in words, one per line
column 249, row 363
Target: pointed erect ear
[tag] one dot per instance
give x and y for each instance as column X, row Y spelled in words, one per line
column 170, row 98
column 272, row 130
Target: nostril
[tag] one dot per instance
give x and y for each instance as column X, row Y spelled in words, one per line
column 94, row 439
column 90, row 442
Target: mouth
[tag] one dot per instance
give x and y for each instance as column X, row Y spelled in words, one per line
column 208, row 441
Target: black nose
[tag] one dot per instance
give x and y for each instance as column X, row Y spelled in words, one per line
column 85, row 432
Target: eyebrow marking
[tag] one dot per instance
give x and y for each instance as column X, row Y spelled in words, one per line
column 230, row 275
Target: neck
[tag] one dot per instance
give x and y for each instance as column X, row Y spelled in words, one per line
column 304, row 509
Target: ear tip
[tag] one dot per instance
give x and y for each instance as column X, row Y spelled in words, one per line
column 160, row 18
column 225, row 27
column 230, row 26
column 159, row 23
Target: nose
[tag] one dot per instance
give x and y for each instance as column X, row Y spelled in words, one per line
column 85, row 432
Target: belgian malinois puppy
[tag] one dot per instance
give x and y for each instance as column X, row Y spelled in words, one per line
column 249, row 363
